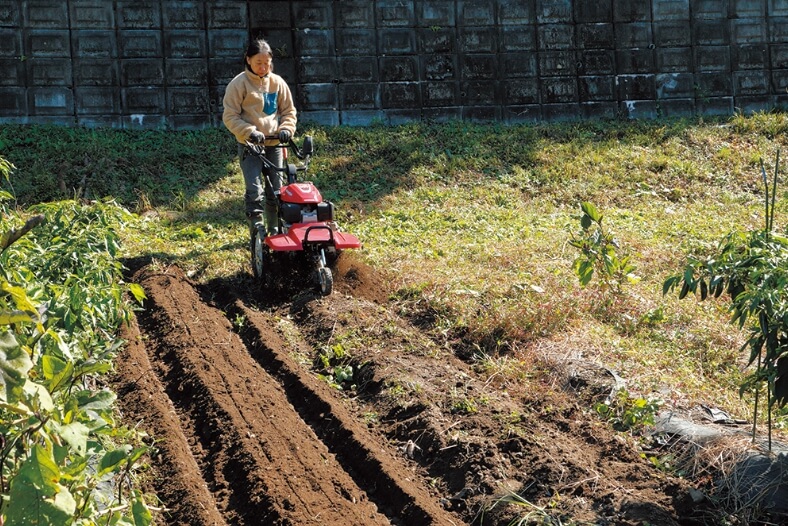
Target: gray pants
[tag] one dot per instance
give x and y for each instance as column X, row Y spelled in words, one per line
column 261, row 184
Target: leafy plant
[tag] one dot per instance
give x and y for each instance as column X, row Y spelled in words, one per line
column 600, row 253
column 628, row 413
column 335, row 367
column 752, row 269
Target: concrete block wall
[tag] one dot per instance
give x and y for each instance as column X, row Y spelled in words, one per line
column 165, row 63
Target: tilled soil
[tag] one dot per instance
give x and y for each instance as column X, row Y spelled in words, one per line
column 224, row 377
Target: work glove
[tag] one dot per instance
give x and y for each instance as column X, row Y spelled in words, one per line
column 284, row 136
column 256, row 137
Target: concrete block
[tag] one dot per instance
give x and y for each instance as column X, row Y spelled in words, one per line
column 600, row 11
column 635, row 61
column 634, row 35
column 639, row 109
column 399, row 69
column 478, row 39
column 439, row 67
column 286, row 68
column 10, row 43
column 711, row 9
column 440, row 94
column 91, row 14
column 479, row 93
column 50, row 101
column 712, row 58
column 312, row 14
column 553, row 11
column 177, row 14
column 779, row 56
column 97, row 101
column 185, row 44
column 361, row 117
column 223, row 70
column 750, row 56
column 437, row 40
column 354, row 96
column 190, row 122
column 47, row 43
column 395, row 13
column 561, row 112
column 676, row 108
column 636, row 87
column 675, row 85
column 46, row 14
column 140, row 44
column 398, row 117
column 596, row 88
column 355, row 13
column 49, row 72
column 597, row 62
column 713, row 85
column 187, row 101
column 476, row 12
column 138, row 14
column 514, row 38
column 12, row 72
column 777, row 8
column 746, row 83
column 778, row 29
column 555, row 36
column 317, row 97
column 670, row 10
column 514, row 114
column 710, row 32
column 599, row 110
column 96, row 72
column 482, row 114
column 714, row 107
column 358, row 69
column 631, row 11
column 747, row 8
column 186, row 71
column 396, row 41
column 595, row 36
column 281, row 42
column 559, row 89
column 141, row 121
column 436, row 14
column 674, row 59
column 315, row 42
column 748, row 30
column 442, row 114
column 473, row 67
column 322, row 118
column 270, row 15
column 316, row 70
column 226, row 43
column 780, row 81
column 781, row 102
column 557, row 63
column 672, row 33
column 10, row 13
column 227, row 15
column 100, row 121
column 518, row 65
column 750, row 105
column 400, row 95
column 356, row 41
column 516, row 12
column 142, row 100
column 521, row 91
column 142, row 72
column 93, row 44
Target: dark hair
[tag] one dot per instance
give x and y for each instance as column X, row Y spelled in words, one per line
column 256, row 47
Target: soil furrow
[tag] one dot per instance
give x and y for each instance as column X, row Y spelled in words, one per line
column 272, row 466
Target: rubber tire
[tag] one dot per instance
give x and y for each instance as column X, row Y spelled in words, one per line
column 325, row 281
column 261, row 256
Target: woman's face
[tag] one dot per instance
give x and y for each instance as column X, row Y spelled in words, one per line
column 260, row 64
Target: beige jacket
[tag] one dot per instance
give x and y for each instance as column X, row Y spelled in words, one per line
column 264, row 103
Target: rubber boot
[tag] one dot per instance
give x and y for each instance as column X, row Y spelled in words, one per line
column 271, row 219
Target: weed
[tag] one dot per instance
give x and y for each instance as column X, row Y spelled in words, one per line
column 628, row 413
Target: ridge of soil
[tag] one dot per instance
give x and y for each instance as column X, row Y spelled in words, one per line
column 223, row 377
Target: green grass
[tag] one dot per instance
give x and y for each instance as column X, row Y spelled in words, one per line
column 472, row 222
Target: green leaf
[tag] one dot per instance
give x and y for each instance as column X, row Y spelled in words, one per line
column 37, row 397
column 138, row 292
column 140, row 512
column 591, row 211
column 76, row 436
column 101, row 400
column 56, row 371
column 113, row 460
column 7, row 317
column 14, row 366
column 36, row 496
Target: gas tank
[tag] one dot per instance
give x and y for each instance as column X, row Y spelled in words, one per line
column 301, row 193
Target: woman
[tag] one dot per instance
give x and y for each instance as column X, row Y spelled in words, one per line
column 258, row 106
